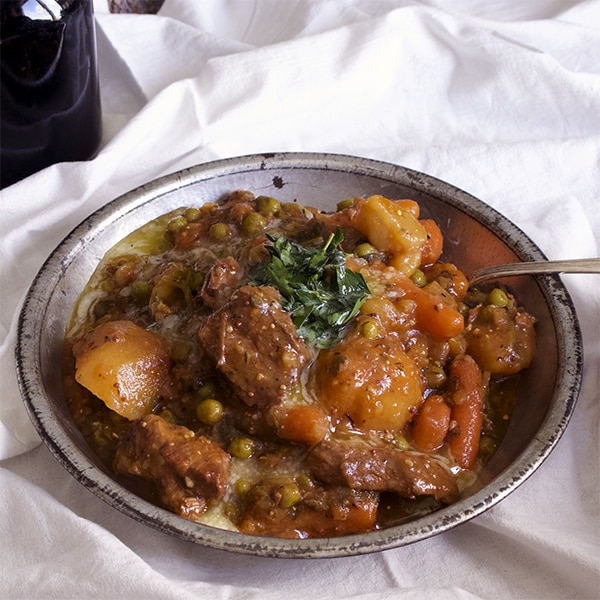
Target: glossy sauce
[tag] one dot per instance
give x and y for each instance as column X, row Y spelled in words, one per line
column 349, row 447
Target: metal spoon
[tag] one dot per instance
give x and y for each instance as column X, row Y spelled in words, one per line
column 578, row 265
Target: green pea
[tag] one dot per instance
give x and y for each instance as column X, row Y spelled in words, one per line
column 209, row 411
column 436, row 376
column 345, row 204
column 370, row 329
column 253, row 223
column 418, row 278
column 140, row 292
column 207, row 390
column 174, row 225
column 192, row 214
column 241, row 448
column 365, row 249
column 290, row 494
column 242, row 486
column 498, row 297
column 268, row 206
column 464, row 310
column 219, row 231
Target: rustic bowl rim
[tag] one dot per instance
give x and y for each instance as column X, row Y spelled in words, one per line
column 57, row 438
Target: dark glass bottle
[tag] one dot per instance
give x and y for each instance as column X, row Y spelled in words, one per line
column 50, row 101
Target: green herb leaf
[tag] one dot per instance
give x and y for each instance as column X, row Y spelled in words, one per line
column 321, row 294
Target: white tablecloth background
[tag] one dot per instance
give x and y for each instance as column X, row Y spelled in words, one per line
column 497, row 97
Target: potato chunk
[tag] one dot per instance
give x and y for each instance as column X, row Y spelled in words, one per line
column 393, row 228
column 122, row 364
column 371, row 381
column 501, row 339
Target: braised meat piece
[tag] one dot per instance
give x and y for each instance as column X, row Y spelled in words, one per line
column 221, row 280
column 254, row 344
column 190, row 472
column 317, row 512
column 364, row 467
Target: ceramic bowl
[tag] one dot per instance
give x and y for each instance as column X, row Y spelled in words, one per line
column 475, row 236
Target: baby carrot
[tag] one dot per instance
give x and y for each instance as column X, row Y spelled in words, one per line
column 432, row 249
column 409, row 205
column 431, row 424
column 466, row 392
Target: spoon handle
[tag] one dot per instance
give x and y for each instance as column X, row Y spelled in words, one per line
column 577, row 265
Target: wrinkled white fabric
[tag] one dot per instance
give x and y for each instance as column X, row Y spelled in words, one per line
column 499, row 98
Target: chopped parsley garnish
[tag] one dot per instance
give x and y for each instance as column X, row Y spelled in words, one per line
column 317, row 289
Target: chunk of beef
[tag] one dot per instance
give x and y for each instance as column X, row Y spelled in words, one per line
column 254, row 344
column 364, row 467
column 221, row 281
column 190, row 472
column 319, row 512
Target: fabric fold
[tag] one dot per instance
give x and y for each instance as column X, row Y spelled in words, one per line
column 497, row 98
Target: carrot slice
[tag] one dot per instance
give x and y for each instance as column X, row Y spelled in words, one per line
column 304, row 424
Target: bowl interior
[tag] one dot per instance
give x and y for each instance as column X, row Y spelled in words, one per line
column 475, row 236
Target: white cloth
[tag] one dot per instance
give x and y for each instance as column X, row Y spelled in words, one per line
column 499, row 98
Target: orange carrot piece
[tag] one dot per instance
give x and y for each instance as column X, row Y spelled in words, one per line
column 409, row 205
column 431, row 424
column 432, row 249
column 304, row 424
column 466, row 391
column 433, row 315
